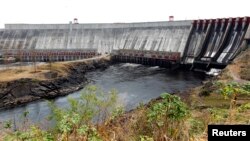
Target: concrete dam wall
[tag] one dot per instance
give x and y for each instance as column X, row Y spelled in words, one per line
column 103, row 37
column 202, row 42
column 216, row 41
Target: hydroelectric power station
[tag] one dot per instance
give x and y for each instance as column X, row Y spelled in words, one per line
column 203, row 44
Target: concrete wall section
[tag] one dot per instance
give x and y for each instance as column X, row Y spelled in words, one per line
column 216, row 40
column 201, row 43
column 247, row 36
column 162, row 36
column 98, row 26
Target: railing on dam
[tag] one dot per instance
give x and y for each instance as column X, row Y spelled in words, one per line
column 154, row 58
column 49, row 55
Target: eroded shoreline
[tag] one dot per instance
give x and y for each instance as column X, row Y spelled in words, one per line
column 25, row 90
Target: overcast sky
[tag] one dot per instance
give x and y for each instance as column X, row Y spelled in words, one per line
column 109, row 11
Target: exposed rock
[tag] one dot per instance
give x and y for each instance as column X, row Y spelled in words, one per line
column 25, row 90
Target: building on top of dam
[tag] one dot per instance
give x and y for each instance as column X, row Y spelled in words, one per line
column 199, row 43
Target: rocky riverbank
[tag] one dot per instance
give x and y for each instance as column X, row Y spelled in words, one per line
column 24, row 90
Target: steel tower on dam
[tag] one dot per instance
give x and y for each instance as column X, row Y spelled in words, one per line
column 199, row 43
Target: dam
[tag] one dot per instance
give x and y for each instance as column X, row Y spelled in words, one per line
column 197, row 44
column 203, row 44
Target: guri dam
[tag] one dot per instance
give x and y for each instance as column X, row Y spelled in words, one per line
column 199, row 43
column 151, row 47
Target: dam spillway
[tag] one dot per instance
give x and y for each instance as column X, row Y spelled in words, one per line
column 215, row 42
column 199, row 43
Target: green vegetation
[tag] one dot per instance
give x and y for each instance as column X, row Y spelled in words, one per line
column 167, row 117
column 78, row 122
column 95, row 116
column 233, row 90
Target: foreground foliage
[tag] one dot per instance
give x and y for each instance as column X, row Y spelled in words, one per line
column 166, row 116
column 78, row 122
column 95, row 116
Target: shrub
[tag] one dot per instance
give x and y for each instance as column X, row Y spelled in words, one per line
column 232, row 90
column 166, row 117
column 78, row 122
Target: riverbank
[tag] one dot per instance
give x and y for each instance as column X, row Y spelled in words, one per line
column 187, row 120
column 46, row 81
column 205, row 104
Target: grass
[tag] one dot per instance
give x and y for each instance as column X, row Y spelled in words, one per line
column 205, row 104
column 204, row 109
column 245, row 72
column 27, row 72
column 241, row 66
column 60, row 68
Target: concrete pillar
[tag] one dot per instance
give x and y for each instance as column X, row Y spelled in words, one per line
column 223, row 42
column 205, row 40
column 247, row 35
column 188, row 41
column 241, row 43
column 234, row 44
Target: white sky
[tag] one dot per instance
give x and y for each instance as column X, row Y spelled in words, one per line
column 109, row 11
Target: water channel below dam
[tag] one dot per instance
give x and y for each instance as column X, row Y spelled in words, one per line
column 135, row 84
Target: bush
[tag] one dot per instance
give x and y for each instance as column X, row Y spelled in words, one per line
column 166, row 117
column 244, row 107
column 78, row 122
column 232, row 90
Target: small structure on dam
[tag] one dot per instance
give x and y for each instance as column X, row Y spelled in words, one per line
column 205, row 44
column 145, row 57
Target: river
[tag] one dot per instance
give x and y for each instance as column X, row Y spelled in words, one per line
column 135, row 84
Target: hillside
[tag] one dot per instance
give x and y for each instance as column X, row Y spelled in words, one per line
column 205, row 104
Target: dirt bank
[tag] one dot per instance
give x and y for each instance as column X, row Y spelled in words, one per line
column 205, row 104
column 60, row 80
